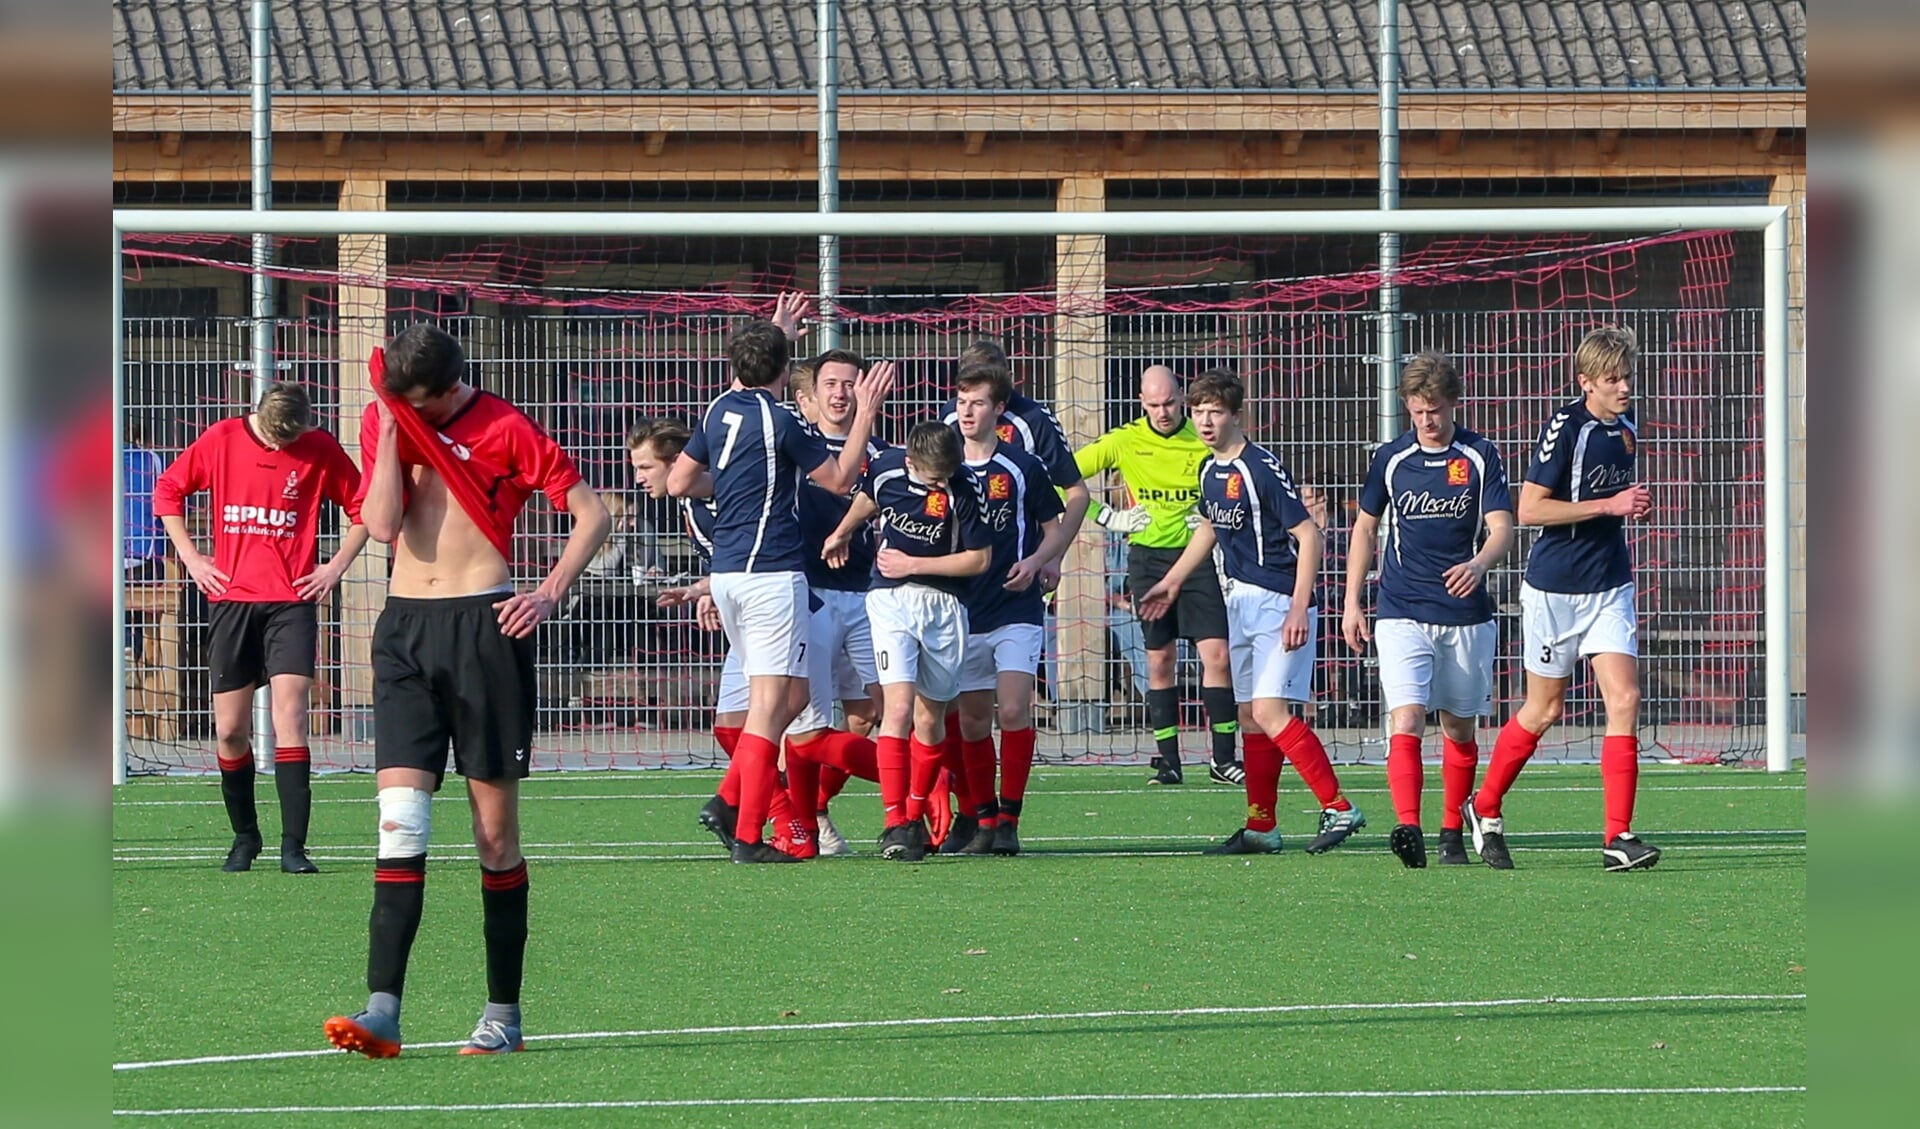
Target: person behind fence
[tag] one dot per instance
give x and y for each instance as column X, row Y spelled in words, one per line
column 448, row 468
column 269, row 472
column 1270, row 554
column 1435, row 491
column 1158, row 456
column 1577, row 599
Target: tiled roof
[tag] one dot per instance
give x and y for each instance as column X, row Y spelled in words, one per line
column 580, row 46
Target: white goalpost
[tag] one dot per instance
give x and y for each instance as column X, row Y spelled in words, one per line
column 1771, row 221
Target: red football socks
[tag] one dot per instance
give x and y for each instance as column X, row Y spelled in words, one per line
column 832, row 780
column 981, row 770
column 1309, row 758
column 803, row 788
column 1016, row 763
column 729, row 740
column 1406, row 776
column 925, row 764
column 1510, row 753
column 756, row 759
column 1619, row 779
column 1263, row 782
column 893, row 758
column 1458, row 764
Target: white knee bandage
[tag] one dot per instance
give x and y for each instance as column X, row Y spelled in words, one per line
column 405, row 816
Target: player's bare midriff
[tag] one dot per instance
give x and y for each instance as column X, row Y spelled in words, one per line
column 440, row 552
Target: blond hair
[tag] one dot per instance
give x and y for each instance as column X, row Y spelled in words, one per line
column 285, row 413
column 1608, row 351
column 1431, row 376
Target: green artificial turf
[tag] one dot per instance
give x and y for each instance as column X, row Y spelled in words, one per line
column 641, row 934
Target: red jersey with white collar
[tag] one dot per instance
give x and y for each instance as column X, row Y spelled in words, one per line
column 266, row 515
column 506, row 454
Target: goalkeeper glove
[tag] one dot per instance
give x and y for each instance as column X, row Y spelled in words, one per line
column 1124, row 521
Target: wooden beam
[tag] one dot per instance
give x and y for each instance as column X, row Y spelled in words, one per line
column 710, row 159
column 1079, row 395
column 1448, row 141
column 493, row 142
column 170, row 144
column 1290, row 142
column 1133, row 142
column 333, row 142
column 1764, row 139
column 362, row 298
column 963, row 113
column 974, row 142
column 1607, row 141
column 657, row 143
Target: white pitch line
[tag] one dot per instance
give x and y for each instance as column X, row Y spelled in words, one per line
column 366, row 847
column 984, row 1099
column 534, row 794
column 1191, row 851
column 1029, row 1017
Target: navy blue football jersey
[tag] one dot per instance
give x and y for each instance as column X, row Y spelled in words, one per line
column 1252, row 503
column 821, row 512
column 1028, row 425
column 1580, row 459
column 1432, row 505
column 922, row 520
column 758, row 452
column 1017, row 502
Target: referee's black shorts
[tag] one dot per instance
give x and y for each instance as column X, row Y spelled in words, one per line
column 250, row 641
column 1199, row 611
column 443, row 673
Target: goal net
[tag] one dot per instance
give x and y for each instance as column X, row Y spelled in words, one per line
column 588, row 334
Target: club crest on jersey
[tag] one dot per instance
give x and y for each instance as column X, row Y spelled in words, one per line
column 999, row 487
column 936, row 503
column 1234, row 486
column 1457, row 472
column 292, row 489
column 1005, row 432
column 1626, row 439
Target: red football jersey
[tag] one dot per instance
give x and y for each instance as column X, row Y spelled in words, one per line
column 266, row 515
column 505, row 454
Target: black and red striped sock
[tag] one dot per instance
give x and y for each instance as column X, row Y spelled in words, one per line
column 399, row 892
column 293, row 782
column 236, row 792
column 503, row 900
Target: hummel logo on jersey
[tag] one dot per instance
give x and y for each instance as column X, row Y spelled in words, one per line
column 1457, row 472
column 1552, row 437
column 936, row 503
column 291, row 491
column 459, row 451
column 1234, row 486
column 1005, row 432
column 999, row 487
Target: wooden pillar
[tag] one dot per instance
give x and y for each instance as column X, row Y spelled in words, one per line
column 1790, row 191
column 1079, row 396
column 363, row 328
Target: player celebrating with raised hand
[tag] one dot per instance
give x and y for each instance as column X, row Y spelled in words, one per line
column 1270, row 552
column 1006, row 614
column 269, row 472
column 1435, row 489
column 1578, row 597
column 932, row 545
column 1158, row 456
column 448, row 469
column 757, row 451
